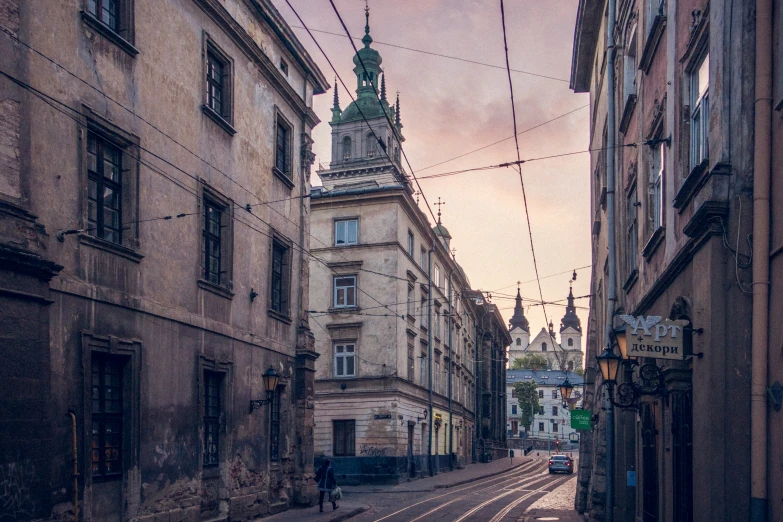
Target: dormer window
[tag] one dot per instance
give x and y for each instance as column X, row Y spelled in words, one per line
column 543, row 347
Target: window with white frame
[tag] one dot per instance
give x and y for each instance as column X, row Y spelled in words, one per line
column 700, row 109
column 344, row 291
column 657, row 173
column 346, row 232
column 436, row 276
column 411, row 241
column 630, row 66
column 344, row 359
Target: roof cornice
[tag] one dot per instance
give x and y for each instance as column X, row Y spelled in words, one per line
column 588, row 26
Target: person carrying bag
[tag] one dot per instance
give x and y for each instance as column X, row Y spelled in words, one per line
column 326, row 483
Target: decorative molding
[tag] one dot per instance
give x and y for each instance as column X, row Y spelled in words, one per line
column 215, row 289
column 703, row 220
column 696, row 180
column 630, row 104
column 345, row 265
column 220, row 120
column 104, row 30
column 656, row 239
column 651, row 44
column 108, row 246
column 631, row 280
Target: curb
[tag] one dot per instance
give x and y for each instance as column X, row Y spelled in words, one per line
column 349, row 514
column 466, row 481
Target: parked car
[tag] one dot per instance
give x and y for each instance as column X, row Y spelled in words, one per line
column 561, row 463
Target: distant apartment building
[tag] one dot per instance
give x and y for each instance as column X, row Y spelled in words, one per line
column 154, row 175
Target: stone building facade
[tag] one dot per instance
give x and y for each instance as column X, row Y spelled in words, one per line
column 683, row 156
column 144, row 287
column 393, row 317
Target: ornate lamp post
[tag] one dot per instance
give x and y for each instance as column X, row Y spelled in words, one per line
column 565, row 391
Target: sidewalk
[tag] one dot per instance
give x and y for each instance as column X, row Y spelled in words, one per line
column 345, row 511
column 445, row 479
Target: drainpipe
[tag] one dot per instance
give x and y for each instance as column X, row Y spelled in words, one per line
column 761, row 211
column 75, row 468
column 610, row 231
column 429, row 357
column 451, row 368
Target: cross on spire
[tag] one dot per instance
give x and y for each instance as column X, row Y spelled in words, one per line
column 439, row 204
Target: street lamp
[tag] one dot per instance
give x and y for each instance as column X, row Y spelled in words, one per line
column 565, row 391
column 609, row 362
column 270, row 378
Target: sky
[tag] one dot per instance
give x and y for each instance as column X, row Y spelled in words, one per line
column 450, row 107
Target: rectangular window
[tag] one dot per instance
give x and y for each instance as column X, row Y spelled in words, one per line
column 540, row 410
column 212, row 246
column 411, row 359
column 217, row 83
column 424, row 309
column 513, row 393
column 411, row 300
column 344, row 360
column 633, row 229
column 346, row 232
column 436, row 386
column 629, row 68
column 423, row 259
column 107, row 11
column 423, row 370
column 211, row 418
column 274, row 424
column 282, row 148
column 554, row 394
column 436, row 320
column 411, row 241
column 700, row 108
column 436, row 276
column 344, row 433
column 107, row 408
column 540, row 426
column 280, row 271
column 657, row 173
column 540, row 394
column 104, row 189
column 344, row 291
column 513, row 409
column 554, row 410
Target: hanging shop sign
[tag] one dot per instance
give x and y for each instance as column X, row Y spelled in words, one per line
column 652, row 336
column 581, row 420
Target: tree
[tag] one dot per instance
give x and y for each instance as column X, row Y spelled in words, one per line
column 526, row 393
column 580, row 372
column 530, row 362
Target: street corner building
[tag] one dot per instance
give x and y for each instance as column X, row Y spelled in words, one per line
column 154, row 183
column 680, row 98
column 400, row 371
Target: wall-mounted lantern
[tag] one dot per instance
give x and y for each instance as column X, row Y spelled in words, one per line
column 270, row 379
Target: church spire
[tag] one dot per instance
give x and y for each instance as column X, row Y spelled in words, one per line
column 336, row 106
column 570, row 319
column 383, row 87
column 367, row 40
column 397, row 122
column 519, row 319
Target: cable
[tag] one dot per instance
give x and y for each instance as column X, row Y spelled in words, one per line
column 505, row 139
column 59, row 107
column 543, row 277
column 519, row 168
column 466, row 60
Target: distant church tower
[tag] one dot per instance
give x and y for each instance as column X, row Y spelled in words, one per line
column 519, row 329
column 366, row 136
column 571, row 334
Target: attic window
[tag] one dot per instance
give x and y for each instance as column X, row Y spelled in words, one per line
column 283, row 66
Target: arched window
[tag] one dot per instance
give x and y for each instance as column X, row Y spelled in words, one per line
column 543, row 347
column 570, row 366
column 371, row 145
column 519, row 341
column 570, row 342
column 346, row 148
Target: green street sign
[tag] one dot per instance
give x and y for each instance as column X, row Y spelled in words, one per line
column 580, row 420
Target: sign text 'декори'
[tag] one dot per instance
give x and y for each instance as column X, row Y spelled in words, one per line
column 652, row 337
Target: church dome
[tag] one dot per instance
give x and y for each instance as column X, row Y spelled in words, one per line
column 440, row 231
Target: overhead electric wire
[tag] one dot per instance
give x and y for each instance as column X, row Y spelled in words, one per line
column 542, row 277
column 49, row 100
column 505, row 139
column 432, row 53
column 519, row 159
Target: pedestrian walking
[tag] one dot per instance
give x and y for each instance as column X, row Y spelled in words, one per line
column 326, row 484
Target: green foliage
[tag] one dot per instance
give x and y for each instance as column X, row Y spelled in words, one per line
column 580, row 372
column 526, row 393
column 530, row 362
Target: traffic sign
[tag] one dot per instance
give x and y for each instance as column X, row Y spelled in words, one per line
column 580, row 420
